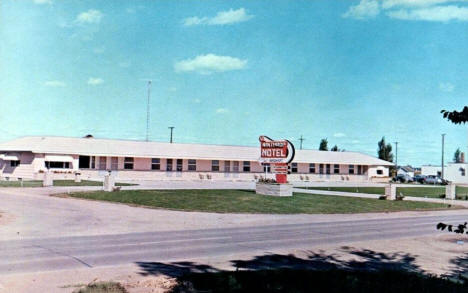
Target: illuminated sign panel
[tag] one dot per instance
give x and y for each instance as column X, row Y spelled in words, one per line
column 275, row 151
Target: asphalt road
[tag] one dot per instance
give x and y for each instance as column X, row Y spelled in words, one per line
column 49, row 254
column 42, row 233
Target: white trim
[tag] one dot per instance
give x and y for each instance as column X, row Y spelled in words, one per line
column 55, row 158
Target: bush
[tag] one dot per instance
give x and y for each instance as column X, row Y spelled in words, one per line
column 102, row 287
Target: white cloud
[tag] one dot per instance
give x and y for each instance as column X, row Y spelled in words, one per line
column 206, row 64
column 355, row 141
column 436, row 13
column 446, row 87
column 55, row 83
column 95, row 80
column 221, row 110
column 197, row 101
column 365, row 9
column 222, row 18
column 99, row 50
column 90, row 16
column 339, row 134
column 425, row 10
column 386, row 4
column 125, row 64
column 43, row 1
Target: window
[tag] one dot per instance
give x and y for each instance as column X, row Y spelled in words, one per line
column 192, row 165
column 57, row 165
column 14, row 163
column 179, row 165
column 246, row 166
column 321, row 168
column 93, row 162
column 168, row 164
column 462, row 171
column 379, row 172
column 114, row 163
column 155, row 164
column 102, row 163
column 266, row 167
column 328, row 168
column 215, row 165
column 336, row 169
column 128, row 163
column 351, row 169
column 84, row 162
column 235, row 166
column 294, row 167
column 312, row 168
column 359, row 169
column 227, row 166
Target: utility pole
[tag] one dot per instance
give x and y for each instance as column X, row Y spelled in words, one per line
column 396, row 156
column 443, row 146
column 301, row 140
column 171, row 128
column 148, row 110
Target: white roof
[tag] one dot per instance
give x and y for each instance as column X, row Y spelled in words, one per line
column 129, row 148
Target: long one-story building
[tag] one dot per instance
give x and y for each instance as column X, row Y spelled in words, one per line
column 454, row 172
column 30, row 157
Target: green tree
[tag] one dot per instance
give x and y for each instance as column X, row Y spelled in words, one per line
column 457, row 156
column 455, row 116
column 384, row 150
column 335, row 149
column 323, row 145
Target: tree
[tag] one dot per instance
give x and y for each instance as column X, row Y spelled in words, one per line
column 323, row 145
column 455, row 116
column 457, row 156
column 335, row 149
column 385, row 150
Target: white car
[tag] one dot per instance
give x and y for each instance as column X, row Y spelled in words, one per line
column 431, row 179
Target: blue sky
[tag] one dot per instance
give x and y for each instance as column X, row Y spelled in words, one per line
column 226, row 72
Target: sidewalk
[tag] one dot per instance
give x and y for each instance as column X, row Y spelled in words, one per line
column 462, row 203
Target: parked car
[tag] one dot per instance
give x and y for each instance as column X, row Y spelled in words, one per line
column 431, row 179
column 404, row 178
column 419, row 178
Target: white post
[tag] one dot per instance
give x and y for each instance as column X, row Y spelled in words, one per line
column 77, row 177
column 109, row 183
column 390, row 191
column 47, row 180
column 450, row 191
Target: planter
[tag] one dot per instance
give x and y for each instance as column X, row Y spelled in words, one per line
column 273, row 189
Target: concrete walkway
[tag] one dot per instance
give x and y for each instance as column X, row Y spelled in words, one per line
column 462, row 203
column 337, row 193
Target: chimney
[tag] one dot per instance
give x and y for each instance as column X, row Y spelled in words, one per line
column 462, row 157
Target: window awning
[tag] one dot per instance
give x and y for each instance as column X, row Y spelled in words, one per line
column 58, row 158
column 9, row 158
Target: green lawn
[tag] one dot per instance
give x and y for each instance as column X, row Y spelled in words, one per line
column 432, row 192
column 38, row 183
column 244, row 201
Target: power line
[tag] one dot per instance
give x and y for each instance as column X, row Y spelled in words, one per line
column 301, row 140
column 148, row 110
column 171, row 128
column 443, row 146
column 396, row 156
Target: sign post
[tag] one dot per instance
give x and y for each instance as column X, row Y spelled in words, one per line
column 278, row 153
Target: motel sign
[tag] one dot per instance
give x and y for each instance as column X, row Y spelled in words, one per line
column 278, row 153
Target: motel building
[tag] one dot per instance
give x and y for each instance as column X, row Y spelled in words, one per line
column 91, row 158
